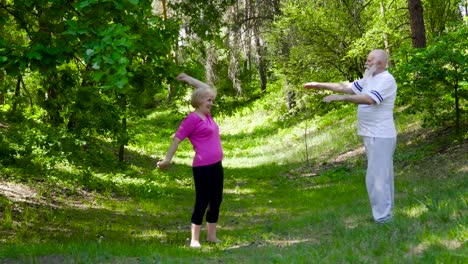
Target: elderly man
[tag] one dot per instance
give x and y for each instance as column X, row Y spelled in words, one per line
column 375, row 96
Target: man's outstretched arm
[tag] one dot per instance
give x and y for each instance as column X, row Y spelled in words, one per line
column 353, row 98
column 335, row 87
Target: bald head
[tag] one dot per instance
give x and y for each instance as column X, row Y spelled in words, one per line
column 377, row 61
column 380, row 56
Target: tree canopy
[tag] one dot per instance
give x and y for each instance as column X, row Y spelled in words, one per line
column 71, row 71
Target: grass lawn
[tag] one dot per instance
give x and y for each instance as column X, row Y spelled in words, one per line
column 294, row 193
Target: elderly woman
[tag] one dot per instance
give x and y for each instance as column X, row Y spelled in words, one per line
column 203, row 133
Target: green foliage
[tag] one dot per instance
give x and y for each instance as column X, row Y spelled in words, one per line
column 385, row 29
column 78, row 76
column 439, row 15
column 204, row 17
column 7, row 220
column 433, row 80
column 89, row 64
column 95, row 210
column 329, row 41
column 307, row 43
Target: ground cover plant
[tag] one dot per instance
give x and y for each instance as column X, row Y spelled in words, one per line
column 89, row 102
column 280, row 205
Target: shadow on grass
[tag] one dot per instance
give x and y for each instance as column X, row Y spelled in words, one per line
column 76, row 215
column 266, row 208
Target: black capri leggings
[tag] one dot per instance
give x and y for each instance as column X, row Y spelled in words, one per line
column 208, row 192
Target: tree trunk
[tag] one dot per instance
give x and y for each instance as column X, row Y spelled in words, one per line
column 2, row 77
column 29, row 94
column 123, row 139
column 121, row 152
column 385, row 35
column 260, row 60
column 261, row 66
column 52, row 106
column 235, row 53
column 17, row 93
column 210, row 63
column 457, row 108
column 164, row 9
column 290, row 96
column 457, row 104
column 418, row 30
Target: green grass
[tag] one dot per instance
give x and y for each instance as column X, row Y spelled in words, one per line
column 281, row 204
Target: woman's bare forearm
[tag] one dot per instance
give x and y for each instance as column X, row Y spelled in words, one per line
column 192, row 81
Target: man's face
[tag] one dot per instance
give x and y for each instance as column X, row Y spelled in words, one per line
column 371, row 65
column 371, row 61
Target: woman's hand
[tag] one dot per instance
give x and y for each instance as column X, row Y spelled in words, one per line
column 163, row 164
column 182, row 77
column 192, row 81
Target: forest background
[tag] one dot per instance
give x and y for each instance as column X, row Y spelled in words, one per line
column 88, row 97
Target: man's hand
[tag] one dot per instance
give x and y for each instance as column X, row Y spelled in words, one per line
column 163, row 164
column 312, row 85
column 332, row 98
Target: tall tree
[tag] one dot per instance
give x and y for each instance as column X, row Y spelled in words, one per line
column 418, row 29
column 201, row 23
column 385, row 34
column 439, row 91
column 247, row 22
column 438, row 15
column 98, row 61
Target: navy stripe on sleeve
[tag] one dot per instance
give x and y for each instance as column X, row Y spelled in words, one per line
column 377, row 94
column 356, row 84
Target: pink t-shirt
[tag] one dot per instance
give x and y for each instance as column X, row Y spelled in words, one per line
column 204, row 136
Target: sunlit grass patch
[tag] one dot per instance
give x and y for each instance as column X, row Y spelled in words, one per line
column 432, row 240
column 308, row 139
column 414, row 211
column 152, row 234
column 277, row 207
column 239, row 191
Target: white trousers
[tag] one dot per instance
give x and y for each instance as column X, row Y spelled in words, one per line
column 379, row 176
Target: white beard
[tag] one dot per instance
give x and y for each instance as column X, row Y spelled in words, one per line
column 369, row 72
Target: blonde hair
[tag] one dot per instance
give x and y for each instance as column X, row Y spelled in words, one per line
column 198, row 95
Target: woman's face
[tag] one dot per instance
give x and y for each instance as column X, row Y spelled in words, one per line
column 206, row 104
